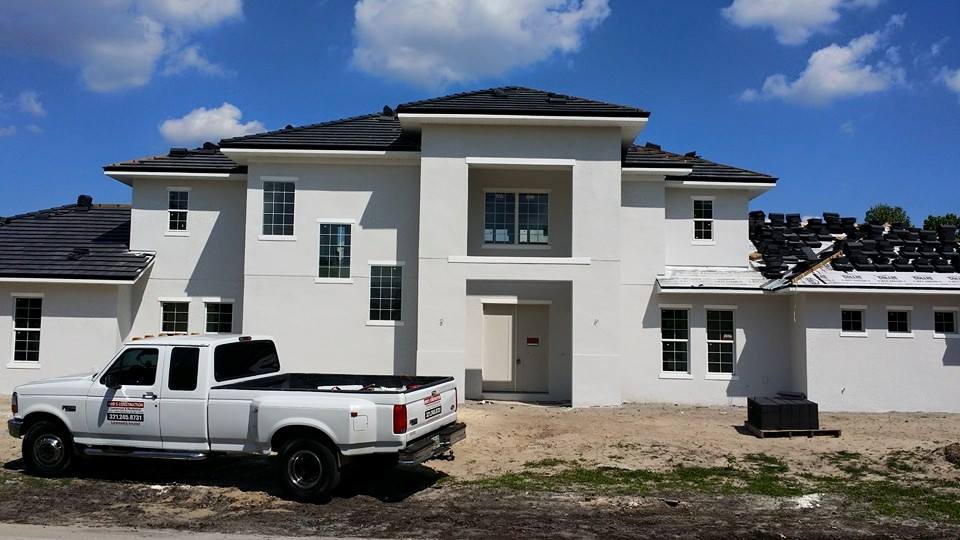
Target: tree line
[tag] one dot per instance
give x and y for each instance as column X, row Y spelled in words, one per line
column 881, row 214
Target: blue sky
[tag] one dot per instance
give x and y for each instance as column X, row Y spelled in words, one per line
column 866, row 106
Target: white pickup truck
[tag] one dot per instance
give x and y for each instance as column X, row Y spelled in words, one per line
column 189, row 397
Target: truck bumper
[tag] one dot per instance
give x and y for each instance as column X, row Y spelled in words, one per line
column 433, row 444
column 15, row 427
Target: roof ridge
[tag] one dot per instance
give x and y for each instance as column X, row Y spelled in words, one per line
column 65, row 209
column 469, row 93
column 305, row 126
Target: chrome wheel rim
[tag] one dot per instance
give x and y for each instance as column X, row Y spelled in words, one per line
column 304, row 469
column 48, row 450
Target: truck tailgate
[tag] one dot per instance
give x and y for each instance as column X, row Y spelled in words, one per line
column 430, row 408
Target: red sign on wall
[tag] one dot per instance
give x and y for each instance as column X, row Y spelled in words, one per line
column 533, row 342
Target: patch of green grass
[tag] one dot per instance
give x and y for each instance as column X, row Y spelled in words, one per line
column 544, row 463
column 901, row 461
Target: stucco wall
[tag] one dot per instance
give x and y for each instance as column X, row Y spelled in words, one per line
column 762, row 360
column 876, row 372
column 208, row 263
column 78, row 330
column 323, row 326
column 731, row 244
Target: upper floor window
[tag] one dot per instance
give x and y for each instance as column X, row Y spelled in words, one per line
column 178, row 202
column 386, row 283
column 516, row 218
column 334, row 250
column 174, row 317
column 703, row 219
column 721, row 341
column 26, row 328
column 278, row 204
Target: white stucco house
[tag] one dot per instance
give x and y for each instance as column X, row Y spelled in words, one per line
column 516, row 239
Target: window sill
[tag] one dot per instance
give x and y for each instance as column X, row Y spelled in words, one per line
column 384, row 323
column 946, row 336
column 23, row 365
column 908, row 335
column 853, row 334
column 703, row 242
column 721, row 377
column 177, row 233
column 676, row 375
column 474, row 259
column 277, row 238
column 516, row 246
column 332, row 280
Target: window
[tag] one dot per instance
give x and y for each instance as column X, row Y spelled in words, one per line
column 278, row 202
column 385, row 285
column 219, row 317
column 945, row 321
column 703, row 219
column 177, row 204
column 26, row 328
column 334, row 250
column 851, row 321
column 516, row 218
column 898, row 322
column 245, row 359
column 675, row 339
column 174, row 317
column 135, row 367
column 720, row 341
column 184, row 364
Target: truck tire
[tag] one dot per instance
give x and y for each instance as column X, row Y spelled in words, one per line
column 308, row 470
column 47, row 449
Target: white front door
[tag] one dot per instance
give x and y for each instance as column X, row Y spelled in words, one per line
column 128, row 415
column 515, row 352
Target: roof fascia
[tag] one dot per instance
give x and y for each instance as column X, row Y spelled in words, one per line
column 630, row 127
column 245, row 155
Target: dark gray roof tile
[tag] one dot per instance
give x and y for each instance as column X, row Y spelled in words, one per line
column 198, row 160
column 519, row 100
column 651, row 155
column 368, row 132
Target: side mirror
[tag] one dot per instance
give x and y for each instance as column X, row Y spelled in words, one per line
column 111, row 381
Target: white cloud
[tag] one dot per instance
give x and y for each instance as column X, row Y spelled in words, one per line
column 35, row 129
column 208, row 125
column 29, row 102
column 437, row 42
column 116, row 44
column 839, row 71
column 8, row 131
column 793, row 21
column 191, row 58
column 951, row 79
column 847, row 128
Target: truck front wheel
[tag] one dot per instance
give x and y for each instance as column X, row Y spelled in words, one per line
column 308, row 470
column 47, row 449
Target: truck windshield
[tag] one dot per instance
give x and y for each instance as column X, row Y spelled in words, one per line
column 244, row 359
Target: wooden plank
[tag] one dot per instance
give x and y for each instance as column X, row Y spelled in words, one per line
column 764, row 433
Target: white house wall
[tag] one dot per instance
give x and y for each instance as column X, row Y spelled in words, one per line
column 876, row 372
column 323, row 326
column 79, row 330
column 205, row 263
column 731, row 244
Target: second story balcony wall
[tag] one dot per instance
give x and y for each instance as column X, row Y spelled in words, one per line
column 519, row 212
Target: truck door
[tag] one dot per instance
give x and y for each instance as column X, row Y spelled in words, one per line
column 128, row 415
column 183, row 403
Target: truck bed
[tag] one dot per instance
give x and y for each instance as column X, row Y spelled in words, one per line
column 338, row 383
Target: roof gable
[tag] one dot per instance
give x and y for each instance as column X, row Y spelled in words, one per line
column 517, row 100
column 652, row 156
column 379, row 131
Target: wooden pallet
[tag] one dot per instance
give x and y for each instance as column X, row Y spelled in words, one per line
column 764, row 433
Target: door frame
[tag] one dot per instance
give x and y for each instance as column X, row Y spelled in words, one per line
column 515, row 395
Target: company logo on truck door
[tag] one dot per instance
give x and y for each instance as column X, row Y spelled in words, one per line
column 125, row 412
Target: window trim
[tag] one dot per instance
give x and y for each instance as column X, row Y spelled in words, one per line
column 278, row 237
column 863, row 311
column 688, row 374
column 956, row 322
column 712, row 241
column 716, row 375
column 909, row 333
column 370, row 264
column 516, row 218
column 353, row 229
column 22, row 364
column 206, row 313
column 174, row 232
column 173, row 300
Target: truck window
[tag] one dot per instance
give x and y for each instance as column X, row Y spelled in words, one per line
column 135, row 367
column 244, row 359
column 184, row 363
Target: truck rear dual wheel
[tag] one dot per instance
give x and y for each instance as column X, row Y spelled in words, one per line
column 47, row 449
column 308, row 470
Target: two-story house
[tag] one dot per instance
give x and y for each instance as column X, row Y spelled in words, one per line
column 516, row 239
